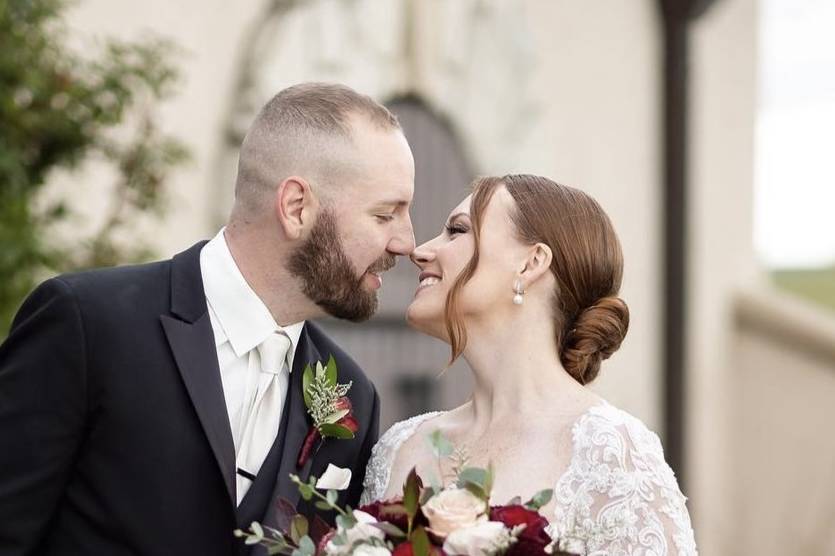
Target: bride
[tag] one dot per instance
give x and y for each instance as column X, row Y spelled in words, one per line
column 523, row 284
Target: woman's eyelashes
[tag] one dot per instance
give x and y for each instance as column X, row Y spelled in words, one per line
column 455, row 228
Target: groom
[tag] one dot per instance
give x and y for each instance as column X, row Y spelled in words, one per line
column 153, row 409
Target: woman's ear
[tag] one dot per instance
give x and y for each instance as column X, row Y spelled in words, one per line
column 537, row 264
column 294, row 206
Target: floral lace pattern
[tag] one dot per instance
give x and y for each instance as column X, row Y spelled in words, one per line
column 382, row 456
column 618, row 497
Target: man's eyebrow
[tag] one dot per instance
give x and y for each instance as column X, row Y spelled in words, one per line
column 393, row 203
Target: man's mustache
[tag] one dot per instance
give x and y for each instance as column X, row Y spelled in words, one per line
column 383, row 264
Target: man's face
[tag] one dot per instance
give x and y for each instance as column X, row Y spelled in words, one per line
column 358, row 236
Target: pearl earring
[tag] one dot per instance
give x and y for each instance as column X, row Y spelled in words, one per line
column 517, row 288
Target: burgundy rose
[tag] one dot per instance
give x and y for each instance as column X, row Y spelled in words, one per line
column 350, row 423
column 405, row 549
column 397, row 518
column 533, row 539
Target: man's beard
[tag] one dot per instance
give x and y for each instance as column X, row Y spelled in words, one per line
column 328, row 278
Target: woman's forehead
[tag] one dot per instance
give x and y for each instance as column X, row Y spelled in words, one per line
column 463, row 207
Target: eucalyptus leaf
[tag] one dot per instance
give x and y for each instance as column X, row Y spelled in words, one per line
column 332, row 496
column 322, row 505
column 475, row 475
column 441, row 447
column 330, row 371
column 540, row 499
column 298, row 528
column 475, row 490
column 307, row 547
column 306, row 491
column 345, row 521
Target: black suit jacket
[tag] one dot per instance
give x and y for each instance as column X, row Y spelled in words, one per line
column 114, row 436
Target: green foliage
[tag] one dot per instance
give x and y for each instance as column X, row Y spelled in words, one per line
column 441, row 447
column 478, row 481
column 540, row 499
column 815, row 285
column 58, row 110
column 420, row 542
column 411, row 497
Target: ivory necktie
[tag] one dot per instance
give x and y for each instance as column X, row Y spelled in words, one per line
column 264, row 416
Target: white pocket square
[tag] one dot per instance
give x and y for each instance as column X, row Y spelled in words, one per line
column 334, row 478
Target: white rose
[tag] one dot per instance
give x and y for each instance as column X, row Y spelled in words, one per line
column 369, row 550
column 453, row 509
column 362, row 531
column 478, row 540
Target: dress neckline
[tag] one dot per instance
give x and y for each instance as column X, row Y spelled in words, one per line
column 416, row 421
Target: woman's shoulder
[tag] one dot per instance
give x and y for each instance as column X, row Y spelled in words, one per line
column 605, row 423
column 618, row 469
column 403, row 430
column 384, row 452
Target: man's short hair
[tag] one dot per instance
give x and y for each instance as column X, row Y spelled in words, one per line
column 303, row 130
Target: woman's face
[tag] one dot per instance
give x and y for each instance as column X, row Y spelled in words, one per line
column 489, row 293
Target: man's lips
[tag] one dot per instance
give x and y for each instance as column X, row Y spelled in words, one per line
column 376, row 279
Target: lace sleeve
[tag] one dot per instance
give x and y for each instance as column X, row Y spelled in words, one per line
column 382, row 456
column 619, row 496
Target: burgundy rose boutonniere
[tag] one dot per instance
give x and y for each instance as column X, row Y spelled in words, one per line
column 328, row 406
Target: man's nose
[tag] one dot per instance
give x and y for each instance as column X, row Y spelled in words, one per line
column 403, row 241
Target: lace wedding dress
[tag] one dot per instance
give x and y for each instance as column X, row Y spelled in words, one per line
column 618, row 496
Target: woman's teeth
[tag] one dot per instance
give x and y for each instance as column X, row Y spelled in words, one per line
column 429, row 281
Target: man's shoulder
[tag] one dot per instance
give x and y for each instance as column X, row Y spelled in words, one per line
column 127, row 279
column 124, row 280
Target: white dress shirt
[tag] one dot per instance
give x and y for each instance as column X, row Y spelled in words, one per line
column 240, row 322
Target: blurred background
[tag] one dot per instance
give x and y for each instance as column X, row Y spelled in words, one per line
column 706, row 129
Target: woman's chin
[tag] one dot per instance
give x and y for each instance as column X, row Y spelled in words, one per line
column 421, row 320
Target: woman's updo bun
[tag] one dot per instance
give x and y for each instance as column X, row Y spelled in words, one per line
column 595, row 335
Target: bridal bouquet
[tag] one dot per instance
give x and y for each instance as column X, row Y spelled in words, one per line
column 426, row 520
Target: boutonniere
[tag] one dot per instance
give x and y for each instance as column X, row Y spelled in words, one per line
column 328, row 407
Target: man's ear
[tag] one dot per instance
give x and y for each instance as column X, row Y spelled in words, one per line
column 294, row 206
column 537, row 264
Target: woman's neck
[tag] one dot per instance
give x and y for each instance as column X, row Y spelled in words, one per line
column 518, row 377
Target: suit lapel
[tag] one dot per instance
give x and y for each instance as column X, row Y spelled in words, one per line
column 189, row 333
column 298, row 424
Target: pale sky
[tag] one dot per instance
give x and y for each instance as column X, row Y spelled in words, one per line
column 794, row 202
